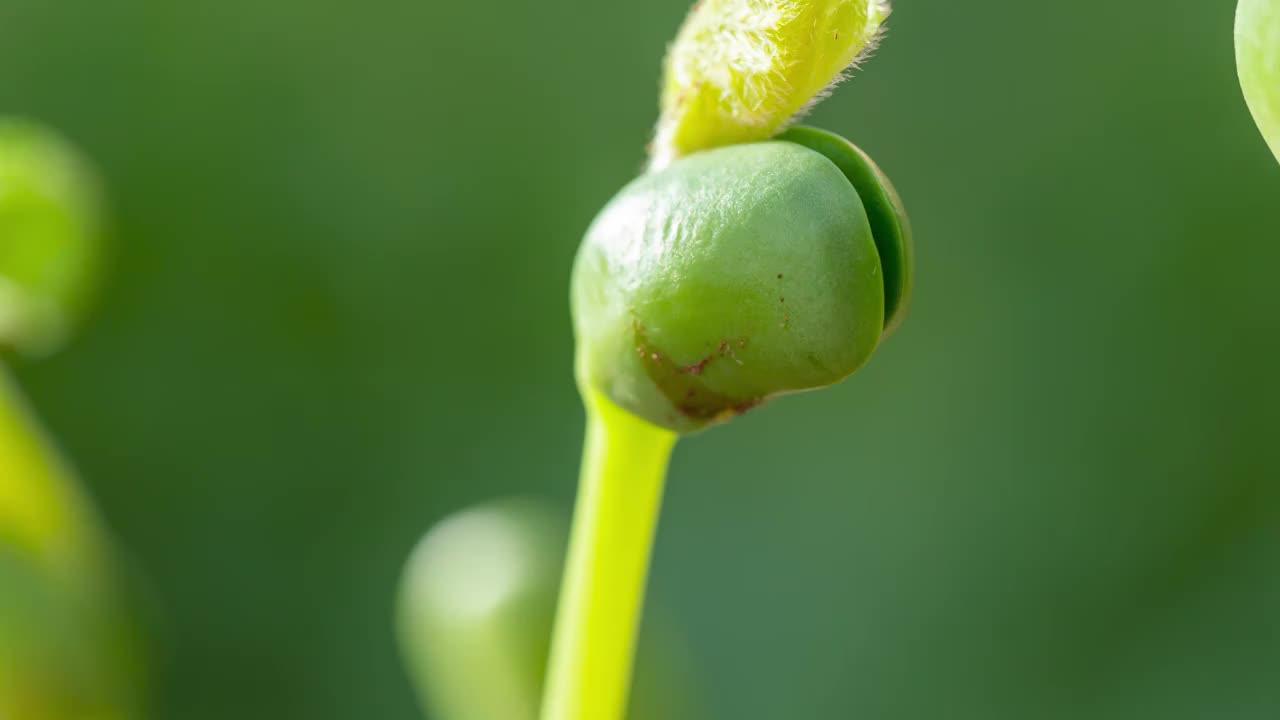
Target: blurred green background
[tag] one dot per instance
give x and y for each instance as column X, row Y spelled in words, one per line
column 338, row 311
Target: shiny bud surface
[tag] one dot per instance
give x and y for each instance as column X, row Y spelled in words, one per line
column 737, row 274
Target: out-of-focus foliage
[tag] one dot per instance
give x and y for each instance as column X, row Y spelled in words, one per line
column 50, row 236
column 69, row 648
column 67, row 651
column 341, row 314
column 1258, row 59
column 69, row 644
column 476, row 607
column 475, row 610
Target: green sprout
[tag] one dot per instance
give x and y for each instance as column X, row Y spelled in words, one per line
column 1258, row 62
column 751, row 261
column 68, row 637
column 476, row 606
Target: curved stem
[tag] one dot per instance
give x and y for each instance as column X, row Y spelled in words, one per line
column 41, row 507
column 624, row 469
column 48, row 519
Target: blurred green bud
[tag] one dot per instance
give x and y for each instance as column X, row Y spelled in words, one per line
column 737, row 274
column 1258, row 62
column 476, row 607
column 50, row 237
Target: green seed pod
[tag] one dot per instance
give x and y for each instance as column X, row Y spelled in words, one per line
column 476, row 607
column 1258, row 61
column 50, row 237
column 737, row 274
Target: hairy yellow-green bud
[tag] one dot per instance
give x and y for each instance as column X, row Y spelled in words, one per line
column 741, row 69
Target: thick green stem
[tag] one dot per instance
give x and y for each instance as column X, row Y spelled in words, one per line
column 619, row 497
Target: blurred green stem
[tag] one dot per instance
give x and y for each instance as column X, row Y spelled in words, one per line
column 624, row 469
column 41, row 508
